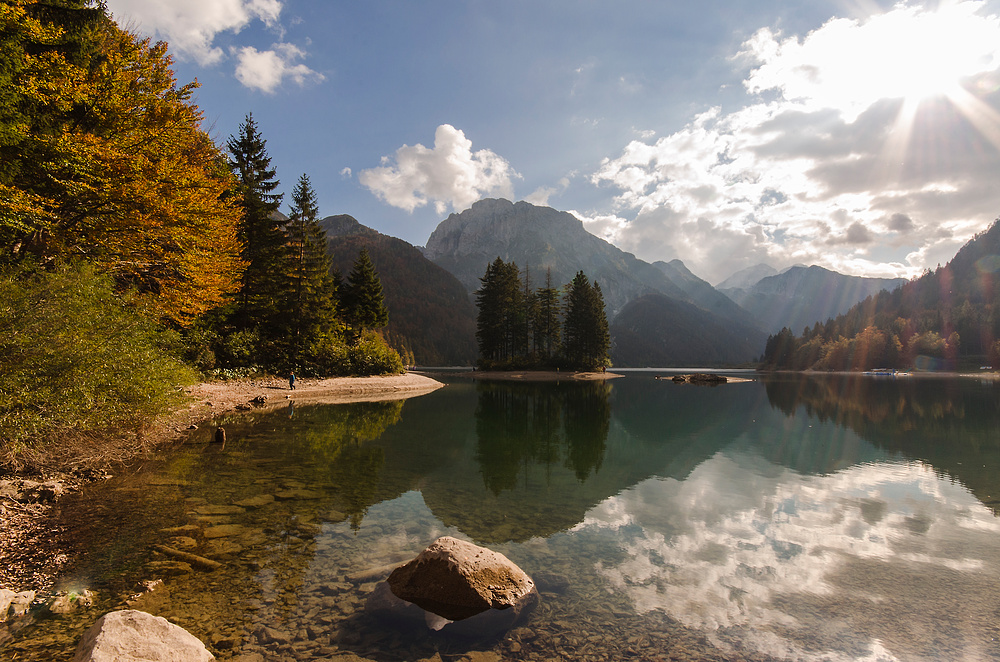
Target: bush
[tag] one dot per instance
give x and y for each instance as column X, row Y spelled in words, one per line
column 370, row 355
column 77, row 360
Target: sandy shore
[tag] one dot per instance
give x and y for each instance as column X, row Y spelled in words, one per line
column 210, row 399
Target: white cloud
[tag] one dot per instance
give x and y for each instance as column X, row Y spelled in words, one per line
column 856, row 123
column 266, row 70
column 190, row 26
column 450, row 174
column 541, row 195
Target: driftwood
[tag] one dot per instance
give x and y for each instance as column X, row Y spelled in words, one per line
column 187, row 557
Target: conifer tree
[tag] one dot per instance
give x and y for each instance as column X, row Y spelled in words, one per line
column 586, row 339
column 260, row 230
column 363, row 303
column 500, row 324
column 546, row 326
column 310, row 300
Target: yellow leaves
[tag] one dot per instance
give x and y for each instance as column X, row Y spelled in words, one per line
column 122, row 173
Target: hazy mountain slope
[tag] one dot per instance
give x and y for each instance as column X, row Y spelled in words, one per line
column 748, row 277
column 428, row 307
column 802, row 296
column 702, row 294
column 658, row 331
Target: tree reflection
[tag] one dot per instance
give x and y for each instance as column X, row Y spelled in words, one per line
column 949, row 423
column 524, row 424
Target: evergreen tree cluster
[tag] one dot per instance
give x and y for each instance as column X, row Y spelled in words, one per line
column 292, row 312
column 948, row 318
column 518, row 326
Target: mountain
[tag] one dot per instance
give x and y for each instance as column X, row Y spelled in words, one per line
column 946, row 319
column 702, row 294
column 801, row 296
column 542, row 238
column 429, row 310
column 655, row 330
column 746, row 278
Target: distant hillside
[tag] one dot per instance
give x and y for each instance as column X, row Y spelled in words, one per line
column 748, row 277
column 542, row 238
column 657, row 331
column 943, row 318
column 429, row 309
column 801, row 296
column 703, row 295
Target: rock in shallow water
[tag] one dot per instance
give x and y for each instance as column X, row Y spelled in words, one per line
column 456, row 586
column 131, row 636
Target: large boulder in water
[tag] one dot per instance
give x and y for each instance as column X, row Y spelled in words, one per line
column 134, row 636
column 457, row 587
column 456, row 579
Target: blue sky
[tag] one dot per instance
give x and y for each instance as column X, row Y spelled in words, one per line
column 863, row 136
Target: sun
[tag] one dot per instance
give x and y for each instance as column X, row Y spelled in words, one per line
column 929, row 53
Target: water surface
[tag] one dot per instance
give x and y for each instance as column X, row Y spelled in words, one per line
column 805, row 518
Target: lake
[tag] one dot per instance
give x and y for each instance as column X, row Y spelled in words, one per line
column 790, row 517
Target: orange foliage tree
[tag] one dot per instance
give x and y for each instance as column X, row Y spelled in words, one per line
column 111, row 165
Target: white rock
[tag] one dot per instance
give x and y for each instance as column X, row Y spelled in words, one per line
column 135, row 636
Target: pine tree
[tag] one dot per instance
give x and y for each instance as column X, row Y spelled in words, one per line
column 363, row 303
column 546, row 326
column 586, row 339
column 500, row 323
column 310, row 306
column 260, row 231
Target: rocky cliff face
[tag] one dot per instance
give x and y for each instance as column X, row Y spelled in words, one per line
column 541, row 239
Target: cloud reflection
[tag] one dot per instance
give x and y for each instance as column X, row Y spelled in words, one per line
column 810, row 567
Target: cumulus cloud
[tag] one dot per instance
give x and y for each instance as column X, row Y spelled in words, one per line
column 266, row 70
column 840, row 132
column 190, row 26
column 541, row 195
column 450, row 174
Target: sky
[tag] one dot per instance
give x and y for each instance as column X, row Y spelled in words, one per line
column 859, row 135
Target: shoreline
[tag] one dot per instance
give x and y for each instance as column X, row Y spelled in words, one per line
column 33, row 553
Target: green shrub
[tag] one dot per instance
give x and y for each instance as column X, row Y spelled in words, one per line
column 372, row 356
column 76, row 360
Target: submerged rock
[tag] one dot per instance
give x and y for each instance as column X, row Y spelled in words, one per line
column 135, row 635
column 456, row 586
column 68, row 603
column 14, row 604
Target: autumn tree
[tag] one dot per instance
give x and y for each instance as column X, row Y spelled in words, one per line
column 104, row 159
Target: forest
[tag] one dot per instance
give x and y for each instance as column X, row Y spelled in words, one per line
column 947, row 319
column 136, row 254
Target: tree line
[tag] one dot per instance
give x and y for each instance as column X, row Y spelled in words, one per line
column 134, row 250
column 518, row 326
column 948, row 318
